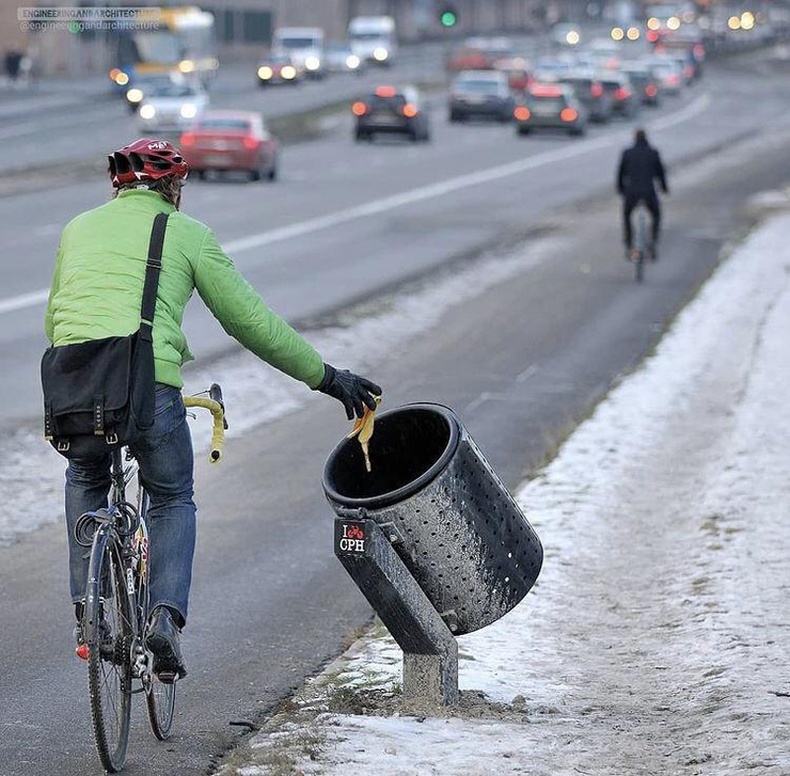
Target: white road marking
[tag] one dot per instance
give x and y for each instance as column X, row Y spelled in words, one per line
column 24, row 300
column 449, row 186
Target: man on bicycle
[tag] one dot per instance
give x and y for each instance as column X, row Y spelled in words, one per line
column 95, row 293
column 640, row 165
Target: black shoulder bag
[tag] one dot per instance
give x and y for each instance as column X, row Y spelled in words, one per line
column 99, row 395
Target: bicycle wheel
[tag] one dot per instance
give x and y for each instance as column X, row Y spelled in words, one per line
column 160, row 701
column 108, row 633
column 641, row 246
column 160, row 698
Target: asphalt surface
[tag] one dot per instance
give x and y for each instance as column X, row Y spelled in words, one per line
column 521, row 363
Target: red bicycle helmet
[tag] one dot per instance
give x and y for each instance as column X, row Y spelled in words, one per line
column 144, row 160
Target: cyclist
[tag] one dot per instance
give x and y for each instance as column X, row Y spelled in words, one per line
column 95, row 293
column 640, row 165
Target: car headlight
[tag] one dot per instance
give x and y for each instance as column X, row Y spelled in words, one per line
column 380, row 54
column 312, row 63
column 134, row 95
column 188, row 110
column 288, row 72
column 352, row 62
column 147, row 112
column 265, row 73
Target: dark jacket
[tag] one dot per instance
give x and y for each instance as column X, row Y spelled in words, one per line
column 639, row 166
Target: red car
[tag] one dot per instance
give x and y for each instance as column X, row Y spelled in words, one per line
column 231, row 140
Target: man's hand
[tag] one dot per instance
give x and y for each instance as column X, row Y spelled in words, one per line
column 353, row 391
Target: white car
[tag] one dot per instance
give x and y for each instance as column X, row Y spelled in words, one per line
column 172, row 106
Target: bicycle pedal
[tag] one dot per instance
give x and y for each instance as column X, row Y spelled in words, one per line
column 167, row 677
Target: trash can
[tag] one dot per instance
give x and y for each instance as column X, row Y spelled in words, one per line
column 454, row 524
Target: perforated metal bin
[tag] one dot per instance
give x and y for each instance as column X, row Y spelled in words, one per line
column 452, row 521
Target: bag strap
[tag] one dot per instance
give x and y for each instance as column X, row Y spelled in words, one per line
column 152, row 269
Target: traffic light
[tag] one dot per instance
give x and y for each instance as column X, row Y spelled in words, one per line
column 448, row 16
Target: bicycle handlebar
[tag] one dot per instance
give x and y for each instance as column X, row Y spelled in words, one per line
column 217, row 410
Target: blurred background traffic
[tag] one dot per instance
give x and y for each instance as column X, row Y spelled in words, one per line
column 212, row 77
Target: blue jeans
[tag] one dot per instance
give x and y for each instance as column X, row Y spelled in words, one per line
column 166, row 470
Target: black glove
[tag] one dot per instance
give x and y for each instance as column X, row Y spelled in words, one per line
column 354, row 391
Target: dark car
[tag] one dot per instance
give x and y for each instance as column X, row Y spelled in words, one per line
column 231, row 140
column 481, row 94
column 625, row 102
column 390, row 110
column 645, row 83
column 590, row 92
column 550, row 106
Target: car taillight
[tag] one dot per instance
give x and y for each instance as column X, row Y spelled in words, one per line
column 250, row 143
column 673, row 79
column 522, row 113
column 187, row 139
column 622, row 94
column 410, row 110
column 569, row 114
column 359, row 109
column 650, row 90
column 596, row 90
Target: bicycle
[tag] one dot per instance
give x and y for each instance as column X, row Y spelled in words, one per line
column 116, row 606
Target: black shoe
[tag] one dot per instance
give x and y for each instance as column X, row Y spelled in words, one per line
column 162, row 638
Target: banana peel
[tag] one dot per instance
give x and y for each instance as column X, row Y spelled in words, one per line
column 363, row 430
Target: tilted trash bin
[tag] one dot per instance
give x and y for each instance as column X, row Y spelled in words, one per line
column 449, row 517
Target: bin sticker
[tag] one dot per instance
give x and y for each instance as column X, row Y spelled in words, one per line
column 352, row 538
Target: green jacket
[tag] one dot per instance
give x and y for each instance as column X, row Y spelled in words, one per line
column 98, row 285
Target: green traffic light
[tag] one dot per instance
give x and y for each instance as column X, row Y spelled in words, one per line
column 449, row 19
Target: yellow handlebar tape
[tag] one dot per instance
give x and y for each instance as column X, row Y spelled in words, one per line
column 218, row 429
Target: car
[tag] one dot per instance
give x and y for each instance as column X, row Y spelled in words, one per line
column 554, row 68
column 683, row 45
column 518, row 74
column 172, row 106
column 231, row 140
column 604, row 53
column 625, row 102
column 550, row 106
column 590, row 92
column 668, row 73
column 341, row 59
column 481, row 94
column 279, row 69
column 686, row 64
column 479, row 53
column 645, row 83
column 142, row 85
column 390, row 110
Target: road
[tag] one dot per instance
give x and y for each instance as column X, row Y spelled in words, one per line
column 522, row 362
